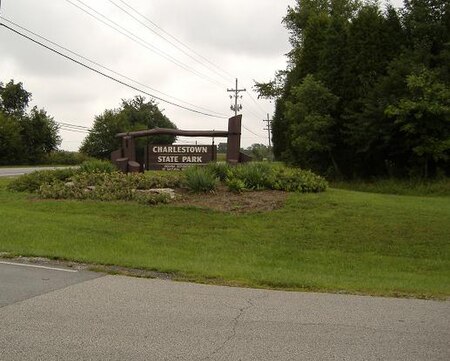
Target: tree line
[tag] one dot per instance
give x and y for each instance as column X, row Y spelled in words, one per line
column 25, row 137
column 367, row 89
column 32, row 137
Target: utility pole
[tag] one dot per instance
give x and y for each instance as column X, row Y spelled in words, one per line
column 269, row 130
column 236, row 107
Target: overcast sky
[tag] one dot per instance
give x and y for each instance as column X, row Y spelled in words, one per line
column 244, row 39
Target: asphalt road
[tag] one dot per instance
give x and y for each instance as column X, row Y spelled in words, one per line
column 13, row 172
column 56, row 315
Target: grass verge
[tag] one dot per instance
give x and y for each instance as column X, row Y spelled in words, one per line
column 337, row 241
column 431, row 188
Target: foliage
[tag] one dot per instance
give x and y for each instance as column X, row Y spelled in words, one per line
column 254, row 175
column 219, row 169
column 11, row 146
column 235, row 185
column 14, row 98
column 410, row 187
column 200, row 179
column 297, row 180
column 63, row 157
column 259, row 152
column 423, row 118
column 97, row 166
column 263, row 175
column 386, row 77
column 24, row 138
column 134, row 114
column 102, row 186
column 310, row 124
column 33, row 181
column 39, row 134
column 160, row 179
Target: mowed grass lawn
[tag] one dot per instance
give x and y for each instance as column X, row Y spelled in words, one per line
column 339, row 241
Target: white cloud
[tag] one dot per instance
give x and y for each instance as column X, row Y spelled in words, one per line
column 245, row 38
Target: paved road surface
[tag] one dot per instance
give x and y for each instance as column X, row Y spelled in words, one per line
column 86, row 317
column 13, row 172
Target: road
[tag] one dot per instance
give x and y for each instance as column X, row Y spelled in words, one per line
column 13, row 172
column 50, row 314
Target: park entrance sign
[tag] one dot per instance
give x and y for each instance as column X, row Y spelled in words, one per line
column 177, row 157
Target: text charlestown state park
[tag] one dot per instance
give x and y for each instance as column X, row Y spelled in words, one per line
column 166, row 157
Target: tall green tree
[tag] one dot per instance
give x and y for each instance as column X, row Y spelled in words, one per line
column 39, row 134
column 423, row 117
column 11, row 146
column 309, row 115
column 14, row 98
column 24, row 137
column 134, row 114
column 387, row 68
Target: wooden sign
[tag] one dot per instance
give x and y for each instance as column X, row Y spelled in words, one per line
column 179, row 156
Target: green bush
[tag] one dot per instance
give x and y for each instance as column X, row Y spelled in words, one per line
column 255, row 175
column 220, row 169
column 297, row 180
column 200, row 179
column 101, row 186
column 151, row 198
column 235, row 185
column 32, row 181
column 66, row 158
column 161, row 179
column 99, row 166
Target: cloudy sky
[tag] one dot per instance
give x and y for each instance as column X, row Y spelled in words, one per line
column 234, row 38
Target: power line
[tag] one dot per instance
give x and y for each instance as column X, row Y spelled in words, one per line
column 255, row 102
column 74, row 130
column 138, row 40
column 164, row 38
column 108, row 76
column 251, row 131
column 229, row 76
column 73, row 125
column 108, row 69
column 177, row 40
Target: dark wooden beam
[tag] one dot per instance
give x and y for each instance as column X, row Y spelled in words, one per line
column 168, row 131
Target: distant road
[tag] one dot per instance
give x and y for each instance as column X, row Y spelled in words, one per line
column 12, row 172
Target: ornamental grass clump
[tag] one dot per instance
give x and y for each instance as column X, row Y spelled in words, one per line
column 97, row 166
column 254, row 175
column 200, row 179
column 220, row 169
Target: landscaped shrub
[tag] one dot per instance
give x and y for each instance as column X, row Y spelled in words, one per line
column 255, row 175
column 235, row 185
column 200, row 179
column 258, row 176
column 161, row 179
column 101, row 186
column 151, row 198
column 97, row 165
column 297, row 180
column 220, row 169
column 32, row 181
